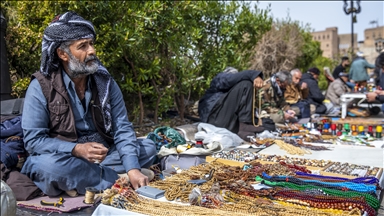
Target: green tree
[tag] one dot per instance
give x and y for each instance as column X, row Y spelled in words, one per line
column 155, row 50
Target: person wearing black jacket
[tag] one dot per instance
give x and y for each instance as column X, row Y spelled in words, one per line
column 341, row 68
column 377, row 95
column 315, row 96
column 228, row 101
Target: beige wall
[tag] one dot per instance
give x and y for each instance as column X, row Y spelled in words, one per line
column 334, row 44
column 328, row 41
column 345, row 43
column 371, row 34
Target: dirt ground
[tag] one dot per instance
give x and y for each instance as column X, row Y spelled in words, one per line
column 171, row 121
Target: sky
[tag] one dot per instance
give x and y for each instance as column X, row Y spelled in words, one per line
column 323, row 14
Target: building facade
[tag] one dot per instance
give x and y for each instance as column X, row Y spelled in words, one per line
column 334, row 45
column 329, row 41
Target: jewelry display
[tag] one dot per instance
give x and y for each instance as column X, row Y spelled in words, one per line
column 297, row 161
column 290, row 149
column 236, row 155
column 352, row 170
column 229, row 192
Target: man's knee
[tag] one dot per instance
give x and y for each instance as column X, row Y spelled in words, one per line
column 313, row 109
column 296, row 109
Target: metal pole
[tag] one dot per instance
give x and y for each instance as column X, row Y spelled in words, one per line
column 5, row 88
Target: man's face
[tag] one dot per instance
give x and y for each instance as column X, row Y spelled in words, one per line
column 316, row 76
column 282, row 85
column 296, row 78
column 346, row 63
column 82, row 59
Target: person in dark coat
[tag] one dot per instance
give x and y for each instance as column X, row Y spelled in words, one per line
column 228, row 101
column 378, row 95
column 341, row 68
column 378, row 68
column 315, row 96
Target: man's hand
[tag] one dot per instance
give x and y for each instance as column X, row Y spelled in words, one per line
column 288, row 114
column 371, row 96
column 137, row 178
column 258, row 82
column 304, row 85
column 91, row 151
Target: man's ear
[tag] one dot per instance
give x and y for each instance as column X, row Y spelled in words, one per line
column 62, row 54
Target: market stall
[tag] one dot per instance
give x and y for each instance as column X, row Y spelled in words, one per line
column 285, row 175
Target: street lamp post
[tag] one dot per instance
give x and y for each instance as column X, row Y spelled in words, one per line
column 352, row 10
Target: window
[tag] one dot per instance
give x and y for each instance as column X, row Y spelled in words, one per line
column 327, row 45
column 367, row 37
column 373, row 36
column 323, row 37
column 327, row 36
column 319, row 37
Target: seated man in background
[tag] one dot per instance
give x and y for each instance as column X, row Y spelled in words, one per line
column 76, row 127
column 273, row 97
column 337, row 88
column 377, row 95
column 296, row 93
column 315, row 97
column 228, row 101
column 341, row 68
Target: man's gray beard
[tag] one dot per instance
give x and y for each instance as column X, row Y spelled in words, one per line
column 79, row 69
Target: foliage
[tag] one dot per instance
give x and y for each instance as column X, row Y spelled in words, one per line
column 156, row 50
column 19, row 87
column 286, row 46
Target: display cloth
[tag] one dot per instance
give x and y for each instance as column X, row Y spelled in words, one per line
column 69, row 204
column 359, row 155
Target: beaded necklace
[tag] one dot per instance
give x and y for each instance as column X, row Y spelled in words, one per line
column 336, row 185
column 371, row 200
column 324, row 201
column 365, row 180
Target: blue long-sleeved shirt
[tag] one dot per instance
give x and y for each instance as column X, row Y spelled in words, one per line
column 358, row 70
column 35, row 123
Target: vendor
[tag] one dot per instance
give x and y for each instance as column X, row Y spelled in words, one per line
column 377, row 95
column 228, row 101
column 76, row 129
column 337, row 88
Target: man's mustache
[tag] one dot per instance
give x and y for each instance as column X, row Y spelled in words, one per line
column 90, row 58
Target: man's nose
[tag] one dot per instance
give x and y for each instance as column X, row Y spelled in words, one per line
column 91, row 50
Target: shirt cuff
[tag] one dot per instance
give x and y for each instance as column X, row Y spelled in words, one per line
column 66, row 147
column 131, row 163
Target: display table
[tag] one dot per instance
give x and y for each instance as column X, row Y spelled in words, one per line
column 345, row 99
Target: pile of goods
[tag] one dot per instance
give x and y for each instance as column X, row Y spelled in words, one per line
column 287, row 190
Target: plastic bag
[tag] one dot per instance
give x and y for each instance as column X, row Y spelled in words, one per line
column 166, row 136
column 8, row 200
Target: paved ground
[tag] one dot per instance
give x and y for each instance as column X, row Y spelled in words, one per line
column 89, row 211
